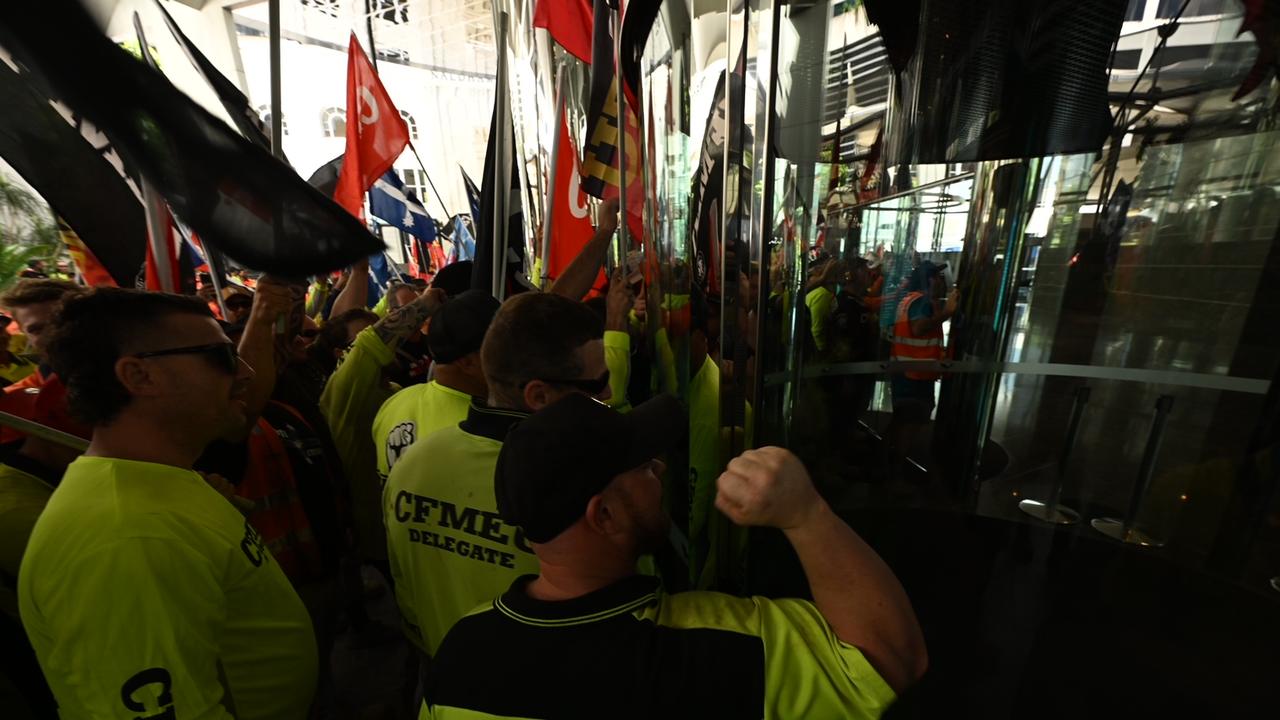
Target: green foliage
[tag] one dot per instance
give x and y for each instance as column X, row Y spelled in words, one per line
column 27, row 230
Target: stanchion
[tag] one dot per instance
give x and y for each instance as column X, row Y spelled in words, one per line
column 1049, row 510
column 1124, row 530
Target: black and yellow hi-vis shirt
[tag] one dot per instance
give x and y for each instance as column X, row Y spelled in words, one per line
column 631, row 651
column 147, row 595
column 449, row 549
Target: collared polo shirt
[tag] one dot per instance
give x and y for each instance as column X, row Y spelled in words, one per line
column 629, row 650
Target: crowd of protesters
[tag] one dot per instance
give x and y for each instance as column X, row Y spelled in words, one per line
column 218, row 483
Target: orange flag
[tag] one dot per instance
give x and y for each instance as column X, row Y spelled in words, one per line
column 94, row 274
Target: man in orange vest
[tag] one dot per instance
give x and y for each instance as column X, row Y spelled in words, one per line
column 917, row 335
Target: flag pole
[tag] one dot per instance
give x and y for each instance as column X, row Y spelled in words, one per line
column 501, row 170
column 622, row 137
column 277, row 114
column 423, row 168
column 556, row 149
column 44, row 432
column 368, row 24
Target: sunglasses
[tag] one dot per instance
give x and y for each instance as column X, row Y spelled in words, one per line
column 224, row 355
column 310, row 334
column 590, row 386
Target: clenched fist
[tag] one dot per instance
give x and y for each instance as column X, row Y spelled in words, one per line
column 768, row 487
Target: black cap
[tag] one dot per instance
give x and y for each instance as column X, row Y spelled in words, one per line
column 454, row 279
column 457, row 329
column 553, row 462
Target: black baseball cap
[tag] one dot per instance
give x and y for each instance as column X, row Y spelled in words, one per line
column 457, row 329
column 454, row 279
column 554, row 461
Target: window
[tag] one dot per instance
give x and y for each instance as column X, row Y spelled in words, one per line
column 328, row 7
column 480, row 34
column 1196, row 8
column 334, row 120
column 413, row 124
column 264, row 112
column 395, row 12
column 393, row 54
column 1134, row 11
column 415, row 181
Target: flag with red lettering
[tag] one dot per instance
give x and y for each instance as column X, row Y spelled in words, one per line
column 569, row 22
column 571, row 227
column 376, row 134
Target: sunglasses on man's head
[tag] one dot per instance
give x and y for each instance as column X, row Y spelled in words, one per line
column 224, row 355
column 590, row 386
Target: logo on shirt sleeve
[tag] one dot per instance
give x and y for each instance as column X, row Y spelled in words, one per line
column 252, row 545
column 153, row 686
column 399, row 440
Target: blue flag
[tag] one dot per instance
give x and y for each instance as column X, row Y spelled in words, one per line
column 379, row 277
column 464, row 246
column 393, row 204
column 473, row 196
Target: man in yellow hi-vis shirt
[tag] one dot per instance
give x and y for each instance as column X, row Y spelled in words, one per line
column 454, row 338
column 447, row 546
column 144, row 592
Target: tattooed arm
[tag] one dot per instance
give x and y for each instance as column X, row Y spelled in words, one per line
column 402, row 321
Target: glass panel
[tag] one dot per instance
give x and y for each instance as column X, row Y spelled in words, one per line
column 1148, row 301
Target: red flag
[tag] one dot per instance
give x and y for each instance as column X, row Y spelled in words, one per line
column 571, row 227
column 415, row 265
column 438, row 260
column 376, row 134
column 162, row 273
column 569, row 22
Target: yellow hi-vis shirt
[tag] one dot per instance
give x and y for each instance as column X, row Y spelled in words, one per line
column 412, row 414
column 22, row 499
column 349, row 403
column 147, row 595
column 449, row 549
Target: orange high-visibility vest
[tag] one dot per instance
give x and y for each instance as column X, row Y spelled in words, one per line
column 907, row 346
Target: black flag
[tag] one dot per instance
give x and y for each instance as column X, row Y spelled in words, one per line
column 600, row 149
column 75, row 169
column 229, row 95
column 238, row 197
column 482, row 270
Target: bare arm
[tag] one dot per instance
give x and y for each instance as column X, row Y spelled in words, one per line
column 853, row 588
column 272, row 301
column 356, row 292
column 577, row 279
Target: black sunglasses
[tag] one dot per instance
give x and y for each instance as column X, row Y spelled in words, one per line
column 224, row 355
column 590, row 386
